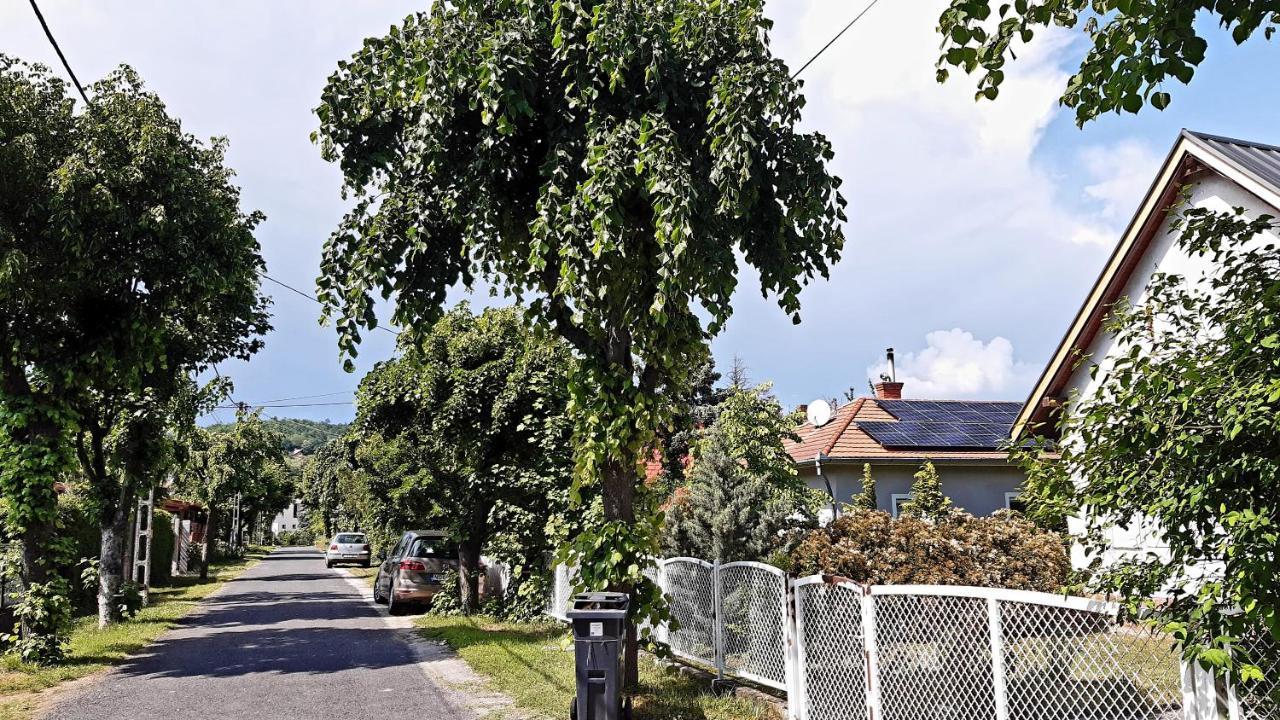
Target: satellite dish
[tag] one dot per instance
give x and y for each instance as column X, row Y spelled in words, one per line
column 819, row 412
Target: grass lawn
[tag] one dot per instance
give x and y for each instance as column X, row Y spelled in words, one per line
column 91, row 649
column 533, row 664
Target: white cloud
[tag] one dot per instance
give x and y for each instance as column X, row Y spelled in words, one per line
column 955, row 364
column 1120, row 174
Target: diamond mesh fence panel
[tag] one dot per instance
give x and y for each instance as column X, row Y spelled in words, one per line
column 690, row 588
column 1261, row 700
column 751, row 610
column 833, row 671
column 1074, row 664
column 934, row 657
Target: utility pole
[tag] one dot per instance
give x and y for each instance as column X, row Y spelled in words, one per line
column 235, row 525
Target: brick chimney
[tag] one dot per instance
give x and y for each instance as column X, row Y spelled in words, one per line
column 888, row 390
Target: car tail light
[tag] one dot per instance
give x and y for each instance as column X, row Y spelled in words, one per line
column 365, row 547
column 412, row 566
column 333, row 547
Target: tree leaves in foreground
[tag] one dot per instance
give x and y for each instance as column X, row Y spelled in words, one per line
column 1138, row 46
column 467, row 431
column 609, row 162
column 125, row 261
column 1180, row 442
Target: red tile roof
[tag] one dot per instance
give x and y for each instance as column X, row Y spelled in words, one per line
column 842, row 439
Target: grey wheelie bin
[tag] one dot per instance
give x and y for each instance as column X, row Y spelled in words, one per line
column 599, row 630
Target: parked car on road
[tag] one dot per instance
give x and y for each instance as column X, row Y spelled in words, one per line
column 348, row 548
column 413, row 572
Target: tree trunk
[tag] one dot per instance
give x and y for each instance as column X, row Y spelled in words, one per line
column 469, row 575
column 208, row 545
column 619, row 505
column 114, row 530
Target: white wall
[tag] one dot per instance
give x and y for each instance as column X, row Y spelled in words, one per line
column 979, row 489
column 1163, row 255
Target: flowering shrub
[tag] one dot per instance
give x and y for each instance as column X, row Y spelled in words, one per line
column 869, row 546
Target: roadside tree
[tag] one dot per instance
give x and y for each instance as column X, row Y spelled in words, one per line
column 116, row 231
column 469, row 427
column 608, row 161
column 244, row 461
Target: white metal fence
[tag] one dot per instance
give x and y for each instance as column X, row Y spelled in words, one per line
column 840, row 650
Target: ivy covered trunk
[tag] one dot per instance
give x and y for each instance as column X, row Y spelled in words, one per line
column 619, row 506
column 33, row 456
column 114, row 531
column 469, row 574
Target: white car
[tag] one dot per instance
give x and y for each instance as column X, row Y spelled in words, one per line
column 347, row 548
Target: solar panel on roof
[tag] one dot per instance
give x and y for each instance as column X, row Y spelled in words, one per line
column 944, row 424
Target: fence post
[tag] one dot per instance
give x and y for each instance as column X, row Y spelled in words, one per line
column 1199, row 693
column 791, row 647
column 717, row 620
column 996, row 635
column 871, row 650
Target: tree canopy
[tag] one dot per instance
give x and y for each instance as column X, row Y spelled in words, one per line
column 1179, row 440
column 1137, row 45
column 609, row 162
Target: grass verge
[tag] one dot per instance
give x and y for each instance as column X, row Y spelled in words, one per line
column 91, row 649
column 366, row 574
column 533, row 664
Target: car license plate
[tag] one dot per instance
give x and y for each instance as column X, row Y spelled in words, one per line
column 347, row 555
column 434, row 578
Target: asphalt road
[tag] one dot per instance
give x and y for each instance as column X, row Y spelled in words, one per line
column 287, row 639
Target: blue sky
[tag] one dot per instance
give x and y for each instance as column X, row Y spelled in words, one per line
column 975, row 229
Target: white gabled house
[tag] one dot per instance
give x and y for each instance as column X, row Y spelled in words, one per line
column 1218, row 174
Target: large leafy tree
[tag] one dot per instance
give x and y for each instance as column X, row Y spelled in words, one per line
column 1138, row 46
column 610, row 161
column 125, row 261
column 1180, row 440
column 473, row 421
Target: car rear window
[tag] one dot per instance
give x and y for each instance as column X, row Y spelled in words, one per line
column 433, row 548
column 348, row 538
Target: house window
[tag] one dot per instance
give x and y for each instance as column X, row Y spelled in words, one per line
column 1013, row 501
column 897, row 500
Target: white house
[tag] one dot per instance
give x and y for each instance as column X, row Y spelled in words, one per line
column 1220, row 174
column 896, row 436
column 288, row 519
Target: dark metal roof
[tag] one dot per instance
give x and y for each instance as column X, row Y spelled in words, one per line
column 1258, row 160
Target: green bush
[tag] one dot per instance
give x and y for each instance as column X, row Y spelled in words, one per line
column 301, row 536
column 1005, row 550
column 161, row 548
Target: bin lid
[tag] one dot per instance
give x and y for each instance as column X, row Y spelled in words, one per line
column 599, row 604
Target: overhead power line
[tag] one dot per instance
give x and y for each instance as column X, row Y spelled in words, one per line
column 304, row 397
column 834, row 39
column 314, row 299
column 49, row 34
column 294, row 405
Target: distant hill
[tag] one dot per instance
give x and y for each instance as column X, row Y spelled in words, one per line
column 304, row 435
